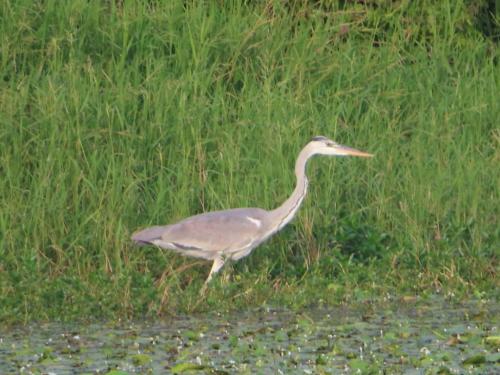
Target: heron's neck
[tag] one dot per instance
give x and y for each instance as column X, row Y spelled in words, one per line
column 284, row 213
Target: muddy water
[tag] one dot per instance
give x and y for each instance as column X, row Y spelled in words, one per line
column 404, row 336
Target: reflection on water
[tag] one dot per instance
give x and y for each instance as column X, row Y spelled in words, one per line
column 413, row 337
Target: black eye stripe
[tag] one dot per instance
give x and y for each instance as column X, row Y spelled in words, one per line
column 319, row 138
column 326, row 141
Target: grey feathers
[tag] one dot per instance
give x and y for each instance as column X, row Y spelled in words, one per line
column 148, row 235
column 203, row 235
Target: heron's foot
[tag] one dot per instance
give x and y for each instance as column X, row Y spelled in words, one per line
column 203, row 290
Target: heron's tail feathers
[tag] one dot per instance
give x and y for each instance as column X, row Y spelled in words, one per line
column 147, row 235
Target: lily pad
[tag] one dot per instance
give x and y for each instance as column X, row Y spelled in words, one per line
column 493, row 340
column 475, row 360
column 141, row 359
column 185, row 367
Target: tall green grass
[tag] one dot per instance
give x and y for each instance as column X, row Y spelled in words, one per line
column 118, row 115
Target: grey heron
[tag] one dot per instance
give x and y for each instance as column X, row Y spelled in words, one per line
column 232, row 234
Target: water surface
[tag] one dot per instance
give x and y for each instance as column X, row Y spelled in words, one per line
column 410, row 336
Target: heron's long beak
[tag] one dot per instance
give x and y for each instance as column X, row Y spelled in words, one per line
column 349, row 151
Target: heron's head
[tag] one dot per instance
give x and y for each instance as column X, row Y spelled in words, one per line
column 324, row 146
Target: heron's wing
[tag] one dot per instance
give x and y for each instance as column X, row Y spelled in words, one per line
column 218, row 231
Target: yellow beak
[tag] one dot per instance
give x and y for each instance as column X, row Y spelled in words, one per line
column 349, row 151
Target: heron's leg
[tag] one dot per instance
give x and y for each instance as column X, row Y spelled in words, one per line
column 216, row 266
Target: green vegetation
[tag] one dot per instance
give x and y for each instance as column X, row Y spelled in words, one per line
column 114, row 117
column 428, row 336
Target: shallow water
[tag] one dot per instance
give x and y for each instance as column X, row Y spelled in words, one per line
column 404, row 336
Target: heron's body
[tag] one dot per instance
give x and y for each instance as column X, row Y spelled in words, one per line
column 233, row 234
column 230, row 233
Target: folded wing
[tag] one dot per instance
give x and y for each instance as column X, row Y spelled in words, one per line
column 207, row 234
